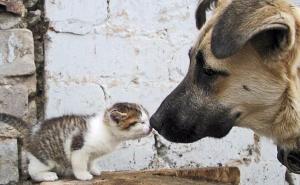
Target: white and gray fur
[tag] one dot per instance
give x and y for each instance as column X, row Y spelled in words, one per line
column 72, row 144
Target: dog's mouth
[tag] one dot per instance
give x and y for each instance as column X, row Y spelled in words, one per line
column 175, row 134
column 191, row 131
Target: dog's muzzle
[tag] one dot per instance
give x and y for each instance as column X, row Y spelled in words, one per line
column 290, row 159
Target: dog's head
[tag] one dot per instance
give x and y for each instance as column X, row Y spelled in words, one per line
column 243, row 72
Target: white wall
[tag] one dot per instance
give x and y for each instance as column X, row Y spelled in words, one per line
column 136, row 50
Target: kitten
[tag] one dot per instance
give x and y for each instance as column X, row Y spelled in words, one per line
column 72, row 144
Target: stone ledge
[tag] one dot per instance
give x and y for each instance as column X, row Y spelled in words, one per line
column 202, row 176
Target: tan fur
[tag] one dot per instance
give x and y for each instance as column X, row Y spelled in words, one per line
column 128, row 115
column 132, row 118
column 265, row 89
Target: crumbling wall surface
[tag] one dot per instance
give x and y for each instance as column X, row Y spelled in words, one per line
column 17, row 83
column 102, row 51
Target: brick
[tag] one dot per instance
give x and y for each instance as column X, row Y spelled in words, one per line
column 14, row 6
column 8, row 20
column 149, row 16
column 64, row 15
column 79, row 61
column 73, row 99
column 14, row 100
column 17, row 55
column 8, row 160
column 17, row 69
column 28, row 81
column 95, row 61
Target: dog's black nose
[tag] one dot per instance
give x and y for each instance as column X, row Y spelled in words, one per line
column 155, row 123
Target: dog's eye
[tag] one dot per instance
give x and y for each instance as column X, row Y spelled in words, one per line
column 212, row 72
column 209, row 72
column 206, row 70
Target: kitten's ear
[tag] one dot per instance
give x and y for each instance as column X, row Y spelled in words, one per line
column 117, row 116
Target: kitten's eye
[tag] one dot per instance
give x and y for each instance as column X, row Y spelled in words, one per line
column 143, row 122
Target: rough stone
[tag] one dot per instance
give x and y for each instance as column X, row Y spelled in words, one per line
column 8, row 20
column 17, row 55
column 14, row 100
column 30, row 3
column 34, row 17
column 17, row 69
column 14, row 6
column 8, row 160
column 31, row 116
column 7, row 131
column 28, row 81
column 39, row 51
column 17, row 84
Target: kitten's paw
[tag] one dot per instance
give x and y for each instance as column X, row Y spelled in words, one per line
column 45, row 176
column 51, row 176
column 96, row 171
column 84, row 176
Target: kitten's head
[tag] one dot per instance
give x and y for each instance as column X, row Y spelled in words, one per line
column 128, row 120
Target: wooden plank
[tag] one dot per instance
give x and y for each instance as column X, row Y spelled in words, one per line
column 201, row 176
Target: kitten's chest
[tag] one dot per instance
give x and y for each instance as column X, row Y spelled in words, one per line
column 99, row 139
column 101, row 149
column 102, row 146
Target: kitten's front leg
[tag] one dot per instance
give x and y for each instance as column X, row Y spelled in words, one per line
column 80, row 165
column 95, row 167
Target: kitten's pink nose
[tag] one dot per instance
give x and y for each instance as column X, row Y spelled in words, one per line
column 149, row 130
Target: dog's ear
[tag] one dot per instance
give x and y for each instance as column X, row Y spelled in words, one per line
column 268, row 29
column 204, row 5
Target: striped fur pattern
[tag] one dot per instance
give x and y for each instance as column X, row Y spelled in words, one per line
column 72, row 144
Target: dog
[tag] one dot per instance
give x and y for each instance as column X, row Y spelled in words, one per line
column 244, row 72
